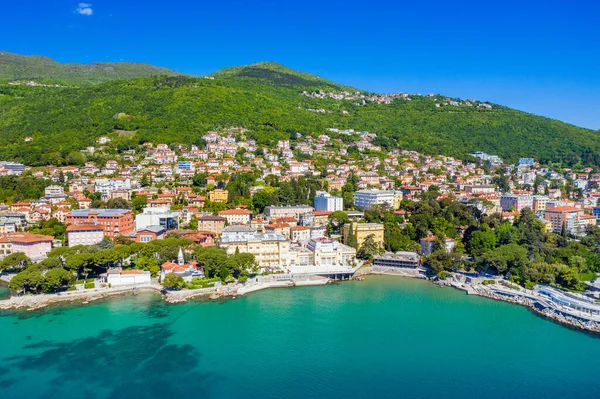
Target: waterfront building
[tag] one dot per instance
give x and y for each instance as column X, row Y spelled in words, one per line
column 269, row 250
column 85, row 234
column 325, row 202
column 399, row 259
column 114, row 221
column 365, row 199
column 363, row 230
column 118, row 277
column 320, row 255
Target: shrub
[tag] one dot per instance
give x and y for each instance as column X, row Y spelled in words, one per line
column 443, row 275
column 89, row 285
column 71, row 289
column 80, row 282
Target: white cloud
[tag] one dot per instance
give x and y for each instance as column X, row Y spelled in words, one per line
column 84, row 9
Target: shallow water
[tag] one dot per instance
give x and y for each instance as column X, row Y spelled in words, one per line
column 379, row 338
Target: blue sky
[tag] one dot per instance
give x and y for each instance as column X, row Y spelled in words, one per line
column 542, row 57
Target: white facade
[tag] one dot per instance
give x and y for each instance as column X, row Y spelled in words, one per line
column 128, row 277
column 364, row 199
column 83, row 236
column 158, row 216
column 325, row 202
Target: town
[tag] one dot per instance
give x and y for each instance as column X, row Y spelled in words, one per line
column 314, row 209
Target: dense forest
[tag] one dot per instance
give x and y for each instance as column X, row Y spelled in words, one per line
column 266, row 98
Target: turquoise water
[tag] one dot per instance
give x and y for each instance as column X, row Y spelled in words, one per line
column 384, row 337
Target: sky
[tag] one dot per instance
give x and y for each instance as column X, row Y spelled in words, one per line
column 541, row 57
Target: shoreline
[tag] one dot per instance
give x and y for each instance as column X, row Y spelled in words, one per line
column 538, row 305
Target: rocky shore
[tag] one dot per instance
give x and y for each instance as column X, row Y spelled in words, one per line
column 537, row 304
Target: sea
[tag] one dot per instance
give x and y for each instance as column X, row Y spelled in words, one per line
column 384, row 337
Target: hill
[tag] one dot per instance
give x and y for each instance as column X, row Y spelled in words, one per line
column 275, row 103
column 279, row 75
column 15, row 67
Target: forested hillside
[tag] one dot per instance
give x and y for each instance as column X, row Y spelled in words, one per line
column 15, row 67
column 267, row 99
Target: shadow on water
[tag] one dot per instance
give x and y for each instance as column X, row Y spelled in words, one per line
column 133, row 362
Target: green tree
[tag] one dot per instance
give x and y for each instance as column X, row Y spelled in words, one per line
column 369, row 248
column 17, row 260
column 351, row 239
column 173, row 282
column 56, row 279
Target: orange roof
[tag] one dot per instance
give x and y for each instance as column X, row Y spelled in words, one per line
column 235, row 212
column 84, row 227
column 322, row 213
column 564, row 209
column 25, row 238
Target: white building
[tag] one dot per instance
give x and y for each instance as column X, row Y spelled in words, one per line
column 118, row 277
column 85, row 234
column 236, row 216
column 54, row 191
column 325, row 202
column 365, row 199
column 158, row 216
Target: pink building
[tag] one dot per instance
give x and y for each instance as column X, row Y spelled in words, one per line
column 35, row 246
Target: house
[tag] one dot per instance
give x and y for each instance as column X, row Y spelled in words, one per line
column 150, row 233
column 428, row 244
column 35, row 246
column 185, row 270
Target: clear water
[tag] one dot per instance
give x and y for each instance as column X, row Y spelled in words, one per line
column 384, row 337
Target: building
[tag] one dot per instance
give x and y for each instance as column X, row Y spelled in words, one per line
column 269, row 250
column 187, row 271
column 12, row 168
column 516, row 201
column 236, row 216
column 157, row 216
column 566, row 217
column 85, row 234
column 118, row 277
column 35, row 246
column 365, row 199
column 52, row 191
column 362, row 231
column 295, row 211
column 150, row 233
column 218, row 195
column 299, row 233
column 213, row 224
column 428, row 244
column 114, row 221
column 325, row 202
column 399, row 259
column 321, row 255
column 540, row 203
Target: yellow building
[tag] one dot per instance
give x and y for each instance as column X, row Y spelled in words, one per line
column 363, row 230
column 540, row 203
column 218, row 195
column 397, row 199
